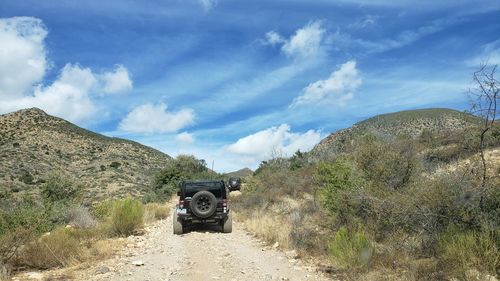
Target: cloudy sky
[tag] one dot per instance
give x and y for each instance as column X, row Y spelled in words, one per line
column 239, row 81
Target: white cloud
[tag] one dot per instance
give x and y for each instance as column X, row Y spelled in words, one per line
column 338, row 89
column 281, row 140
column 305, row 43
column 274, row 38
column 23, row 64
column 208, row 4
column 67, row 97
column 151, row 118
column 117, row 81
column 185, row 137
column 22, row 55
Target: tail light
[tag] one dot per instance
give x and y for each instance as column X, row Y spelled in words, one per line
column 224, row 205
column 181, row 204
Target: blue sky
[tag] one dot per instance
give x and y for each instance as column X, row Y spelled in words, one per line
column 239, row 81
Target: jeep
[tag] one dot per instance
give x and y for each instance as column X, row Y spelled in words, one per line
column 202, row 202
column 234, row 184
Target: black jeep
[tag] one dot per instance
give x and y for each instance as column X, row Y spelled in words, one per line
column 202, row 202
column 234, row 184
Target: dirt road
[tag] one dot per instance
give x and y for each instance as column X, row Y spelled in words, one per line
column 202, row 254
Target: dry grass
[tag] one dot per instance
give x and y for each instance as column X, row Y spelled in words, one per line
column 59, row 248
column 66, row 247
column 104, row 249
column 270, row 228
column 155, row 211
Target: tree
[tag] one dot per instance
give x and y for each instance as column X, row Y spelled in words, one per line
column 485, row 97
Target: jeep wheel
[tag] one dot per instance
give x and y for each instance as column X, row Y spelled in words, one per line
column 227, row 225
column 178, row 228
column 203, row 204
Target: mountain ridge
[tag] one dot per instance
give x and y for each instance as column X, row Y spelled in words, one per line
column 34, row 144
column 391, row 125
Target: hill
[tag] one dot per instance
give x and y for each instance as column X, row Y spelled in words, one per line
column 388, row 126
column 245, row 172
column 34, row 144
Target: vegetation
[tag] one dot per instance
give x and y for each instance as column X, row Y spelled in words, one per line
column 60, row 231
column 384, row 204
column 183, row 167
column 351, row 250
column 60, row 188
column 126, row 216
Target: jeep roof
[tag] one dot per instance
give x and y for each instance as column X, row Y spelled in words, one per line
column 189, row 188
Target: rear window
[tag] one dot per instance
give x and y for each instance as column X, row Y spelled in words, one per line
column 190, row 188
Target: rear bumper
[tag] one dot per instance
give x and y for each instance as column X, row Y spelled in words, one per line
column 190, row 218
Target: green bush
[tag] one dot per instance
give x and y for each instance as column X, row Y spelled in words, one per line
column 338, row 181
column 388, row 164
column 183, row 167
column 460, row 251
column 351, row 250
column 102, row 210
column 126, row 216
column 19, row 223
column 60, row 188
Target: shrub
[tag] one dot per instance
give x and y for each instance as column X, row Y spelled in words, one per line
column 19, row 223
column 387, row 164
column 338, row 180
column 460, row 251
column 155, row 211
column 26, row 177
column 302, row 234
column 12, row 241
column 80, row 217
column 351, row 250
column 126, row 216
column 59, row 248
column 60, row 188
column 102, row 210
column 181, row 168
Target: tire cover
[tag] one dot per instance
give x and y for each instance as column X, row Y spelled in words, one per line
column 203, row 204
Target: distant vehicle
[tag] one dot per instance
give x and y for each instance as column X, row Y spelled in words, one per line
column 234, row 184
column 202, row 202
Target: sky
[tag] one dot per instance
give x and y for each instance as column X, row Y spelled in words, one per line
column 238, row 81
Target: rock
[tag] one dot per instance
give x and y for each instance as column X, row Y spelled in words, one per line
column 34, row 275
column 137, row 263
column 276, row 245
column 292, row 254
column 102, row 270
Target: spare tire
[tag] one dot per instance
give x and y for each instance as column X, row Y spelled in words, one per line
column 203, row 204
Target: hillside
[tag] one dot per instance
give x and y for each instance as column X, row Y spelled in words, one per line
column 388, row 126
column 33, row 144
column 245, row 172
